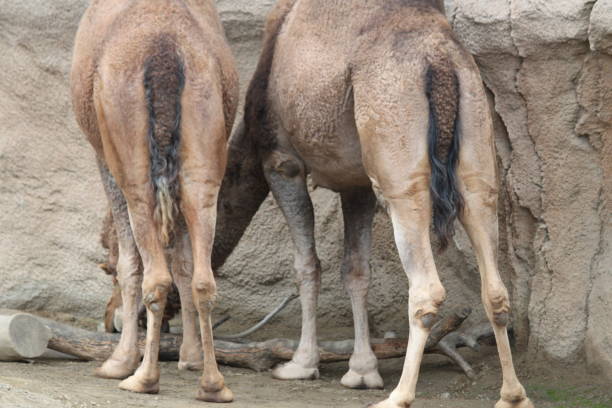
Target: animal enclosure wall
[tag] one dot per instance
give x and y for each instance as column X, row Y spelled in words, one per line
column 549, row 70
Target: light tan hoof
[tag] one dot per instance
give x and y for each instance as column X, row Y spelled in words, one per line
column 388, row 404
column 115, row 369
column 524, row 403
column 294, row 371
column 191, row 365
column 221, row 396
column 136, row 384
column 370, row 380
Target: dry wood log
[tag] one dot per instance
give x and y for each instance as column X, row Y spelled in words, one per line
column 472, row 338
column 22, row 336
column 444, row 339
column 254, row 355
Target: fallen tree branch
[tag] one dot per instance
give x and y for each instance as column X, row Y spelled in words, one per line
column 221, row 322
column 444, row 339
column 264, row 355
column 452, row 353
column 471, row 338
column 259, row 325
column 447, row 326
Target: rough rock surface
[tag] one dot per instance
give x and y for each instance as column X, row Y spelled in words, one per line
column 548, row 66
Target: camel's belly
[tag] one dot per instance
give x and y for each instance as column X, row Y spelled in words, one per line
column 326, row 140
column 335, row 160
column 314, row 104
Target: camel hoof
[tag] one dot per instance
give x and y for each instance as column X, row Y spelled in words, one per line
column 135, row 384
column 223, row 395
column 191, row 365
column 524, row 403
column 116, row 370
column 294, row 371
column 388, row 404
column 370, row 380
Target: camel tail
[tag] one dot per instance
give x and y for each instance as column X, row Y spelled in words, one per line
column 444, row 144
column 164, row 82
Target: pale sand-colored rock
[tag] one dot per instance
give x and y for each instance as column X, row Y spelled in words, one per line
column 600, row 28
column 548, row 67
column 553, row 95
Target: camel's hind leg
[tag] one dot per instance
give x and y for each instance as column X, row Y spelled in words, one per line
column 358, row 208
column 155, row 287
column 122, row 116
column 478, row 184
column 190, row 355
column 393, row 137
column 126, row 357
column 203, row 159
column 411, row 216
column 287, row 179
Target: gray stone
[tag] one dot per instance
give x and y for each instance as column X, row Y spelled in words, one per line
column 552, row 94
column 600, row 29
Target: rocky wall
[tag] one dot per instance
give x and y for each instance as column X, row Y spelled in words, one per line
column 549, row 68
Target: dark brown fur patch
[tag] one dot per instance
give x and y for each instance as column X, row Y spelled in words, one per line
column 444, row 143
column 164, row 81
column 444, row 99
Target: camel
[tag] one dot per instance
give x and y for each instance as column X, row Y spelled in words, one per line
column 155, row 91
column 108, row 239
column 376, row 100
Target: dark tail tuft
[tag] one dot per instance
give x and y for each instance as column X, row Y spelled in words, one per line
column 164, row 81
column 444, row 144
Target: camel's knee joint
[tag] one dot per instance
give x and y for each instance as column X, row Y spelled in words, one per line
column 497, row 296
column 307, row 268
column 356, row 278
column 155, row 299
column 288, row 168
column 204, row 291
column 283, row 164
column 499, row 305
column 429, row 320
column 426, row 308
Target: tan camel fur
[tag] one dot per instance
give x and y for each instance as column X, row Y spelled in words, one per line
column 108, row 239
column 155, row 91
column 376, row 98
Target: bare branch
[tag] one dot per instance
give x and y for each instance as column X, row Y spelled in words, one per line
column 263, row 322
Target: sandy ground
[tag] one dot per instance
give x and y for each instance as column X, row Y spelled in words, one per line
column 65, row 384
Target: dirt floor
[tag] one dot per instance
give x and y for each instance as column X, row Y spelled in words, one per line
column 65, row 384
